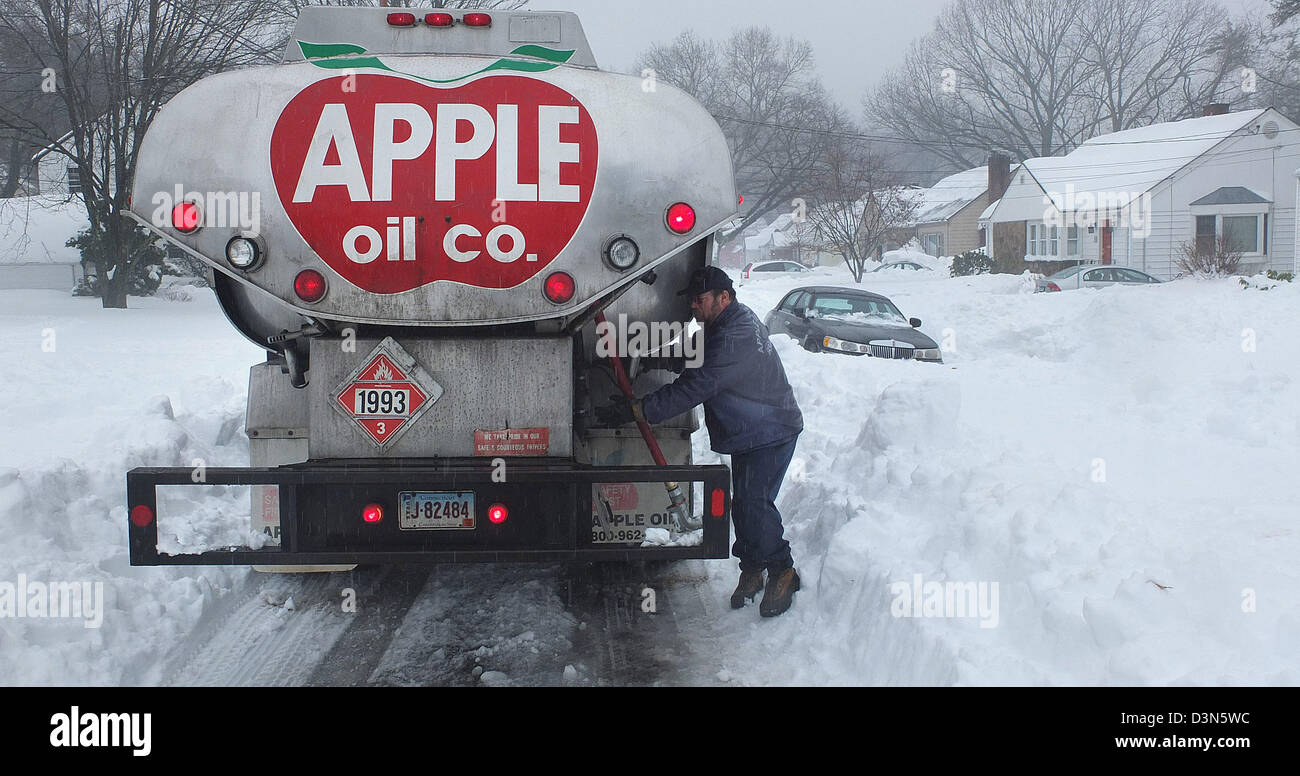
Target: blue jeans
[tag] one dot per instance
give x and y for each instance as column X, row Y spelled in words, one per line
column 756, row 480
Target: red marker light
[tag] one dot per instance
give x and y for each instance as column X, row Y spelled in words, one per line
column 717, row 501
column 401, row 19
column 477, row 20
column 372, row 513
column 309, row 285
column 742, row 200
column 681, row 218
column 497, row 513
column 559, row 287
column 186, row 217
column 439, row 19
column 141, row 516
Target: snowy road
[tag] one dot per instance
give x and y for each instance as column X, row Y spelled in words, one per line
column 452, row 626
column 1114, row 469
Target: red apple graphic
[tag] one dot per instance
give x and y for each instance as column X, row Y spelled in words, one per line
column 396, row 184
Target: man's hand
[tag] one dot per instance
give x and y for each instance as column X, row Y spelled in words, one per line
column 620, row 412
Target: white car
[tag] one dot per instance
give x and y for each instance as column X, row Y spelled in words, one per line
column 773, row 266
column 1093, row 276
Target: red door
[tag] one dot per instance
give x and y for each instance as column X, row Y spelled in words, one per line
column 1105, row 242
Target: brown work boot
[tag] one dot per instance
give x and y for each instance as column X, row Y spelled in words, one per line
column 750, row 583
column 780, row 593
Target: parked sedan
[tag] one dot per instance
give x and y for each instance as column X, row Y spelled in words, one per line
column 846, row 320
column 773, row 266
column 1093, row 276
column 911, row 265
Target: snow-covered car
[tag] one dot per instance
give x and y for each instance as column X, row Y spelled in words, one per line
column 896, row 265
column 772, row 266
column 851, row 321
column 1092, row 276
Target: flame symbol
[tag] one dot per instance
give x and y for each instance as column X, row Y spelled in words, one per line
column 382, row 372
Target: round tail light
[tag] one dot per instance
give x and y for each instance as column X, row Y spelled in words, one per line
column 372, row 513
column 141, row 516
column 497, row 514
column 243, row 253
column 559, row 287
column 186, row 217
column 309, row 286
column 622, row 253
column 681, row 218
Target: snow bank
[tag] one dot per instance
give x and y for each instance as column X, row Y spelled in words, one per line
column 1120, row 462
column 91, row 394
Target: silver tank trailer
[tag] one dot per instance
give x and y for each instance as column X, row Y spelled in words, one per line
column 228, row 137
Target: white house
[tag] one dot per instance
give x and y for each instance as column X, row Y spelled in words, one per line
column 1137, row 197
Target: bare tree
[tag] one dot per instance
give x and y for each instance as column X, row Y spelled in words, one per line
column 766, row 96
column 1038, row 77
column 861, row 203
column 114, row 64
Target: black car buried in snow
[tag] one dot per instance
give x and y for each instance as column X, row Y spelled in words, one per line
column 846, row 320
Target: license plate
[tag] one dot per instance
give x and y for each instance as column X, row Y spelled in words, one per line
column 433, row 511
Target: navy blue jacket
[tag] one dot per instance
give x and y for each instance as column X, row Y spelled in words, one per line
column 747, row 399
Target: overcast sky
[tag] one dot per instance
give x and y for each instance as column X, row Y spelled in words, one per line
column 856, row 41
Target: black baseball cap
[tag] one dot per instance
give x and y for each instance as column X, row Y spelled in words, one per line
column 707, row 279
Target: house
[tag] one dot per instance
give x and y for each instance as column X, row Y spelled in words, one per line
column 1140, row 197
column 946, row 222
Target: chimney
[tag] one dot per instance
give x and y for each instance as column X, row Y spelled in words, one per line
column 999, row 175
column 1215, row 109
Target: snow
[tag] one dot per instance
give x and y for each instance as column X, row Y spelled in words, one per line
column 947, row 197
column 36, row 230
column 1119, row 461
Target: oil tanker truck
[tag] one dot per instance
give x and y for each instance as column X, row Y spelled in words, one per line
column 442, row 226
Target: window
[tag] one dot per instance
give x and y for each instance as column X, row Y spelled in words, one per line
column 74, row 179
column 1072, row 241
column 932, row 243
column 796, row 301
column 1242, row 233
column 1053, row 244
column 1205, row 230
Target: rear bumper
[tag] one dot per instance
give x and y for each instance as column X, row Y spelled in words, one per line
column 320, row 504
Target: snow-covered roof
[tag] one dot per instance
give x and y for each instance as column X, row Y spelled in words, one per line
column 988, row 211
column 1134, row 160
column 34, row 229
column 946, row 198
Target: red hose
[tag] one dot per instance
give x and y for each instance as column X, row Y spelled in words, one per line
column 624, row 384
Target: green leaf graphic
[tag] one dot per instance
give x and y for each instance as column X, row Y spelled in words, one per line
column 344, row 56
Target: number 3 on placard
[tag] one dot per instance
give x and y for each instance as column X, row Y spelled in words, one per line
column 380, row 430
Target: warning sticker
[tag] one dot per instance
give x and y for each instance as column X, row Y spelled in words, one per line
column 513, row 441
column 386, row 394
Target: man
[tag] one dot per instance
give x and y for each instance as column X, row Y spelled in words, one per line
column 752, row 416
